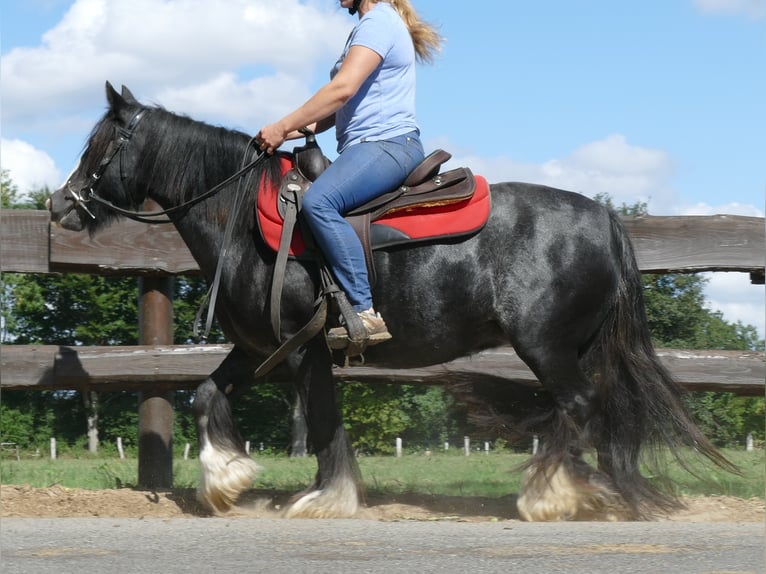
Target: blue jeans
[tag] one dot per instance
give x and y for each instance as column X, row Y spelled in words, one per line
column 360, row 173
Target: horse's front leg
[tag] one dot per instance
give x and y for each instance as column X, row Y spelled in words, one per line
column 225, row 467
column 337, row 490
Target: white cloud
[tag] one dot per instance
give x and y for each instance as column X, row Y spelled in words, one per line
column 737, row 299
column 160, row 47
column 612, row 166
column 29, row 168
column 226, row 99
column 752, row 8
column 728, row 208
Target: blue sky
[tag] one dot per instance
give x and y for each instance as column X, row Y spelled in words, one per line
column 659, row 101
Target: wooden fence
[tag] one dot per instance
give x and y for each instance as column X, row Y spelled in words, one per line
column 155, row 368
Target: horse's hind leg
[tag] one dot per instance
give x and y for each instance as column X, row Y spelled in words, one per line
column 225, row 467
column 558, row 483
column 336, row 491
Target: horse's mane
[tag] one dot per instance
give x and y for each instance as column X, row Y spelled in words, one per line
column 178, row 156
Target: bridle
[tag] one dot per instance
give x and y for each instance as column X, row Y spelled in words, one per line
column 87, row 192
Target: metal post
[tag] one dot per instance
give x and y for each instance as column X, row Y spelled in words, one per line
column 155, row 408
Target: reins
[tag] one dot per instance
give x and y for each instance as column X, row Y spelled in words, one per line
column 212, row 293
column 147, row 216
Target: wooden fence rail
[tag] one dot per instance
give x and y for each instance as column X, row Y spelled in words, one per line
column 178, row 367
column 687, row 244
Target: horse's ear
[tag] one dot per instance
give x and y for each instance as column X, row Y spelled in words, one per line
column 128, row 96
column 115, row 100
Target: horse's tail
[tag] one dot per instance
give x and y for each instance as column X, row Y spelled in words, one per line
column 639, row 408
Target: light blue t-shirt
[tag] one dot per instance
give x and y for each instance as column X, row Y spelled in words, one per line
column 384, row 106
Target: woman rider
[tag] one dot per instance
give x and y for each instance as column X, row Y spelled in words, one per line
column 370, row 99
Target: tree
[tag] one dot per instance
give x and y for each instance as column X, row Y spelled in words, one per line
column 375, row 415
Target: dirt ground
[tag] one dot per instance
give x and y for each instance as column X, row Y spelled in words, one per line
column 57, row 501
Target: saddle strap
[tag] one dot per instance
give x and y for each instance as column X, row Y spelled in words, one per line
column 280, row 265
column 212, row 293
column 307, row 332
column 361, row 225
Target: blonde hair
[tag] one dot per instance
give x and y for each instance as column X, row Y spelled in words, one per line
column 425, row 38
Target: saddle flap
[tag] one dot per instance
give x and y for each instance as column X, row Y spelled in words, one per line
column 449, row 187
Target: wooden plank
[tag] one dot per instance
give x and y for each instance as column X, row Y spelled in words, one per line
column 741, row 372
column 124, row 248
column 24, row 240
column 689, row 244
column 24, row 366
column 184, row 367
column 663, row 245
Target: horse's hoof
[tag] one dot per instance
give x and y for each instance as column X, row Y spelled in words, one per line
column 223, row 478
column 332, row 502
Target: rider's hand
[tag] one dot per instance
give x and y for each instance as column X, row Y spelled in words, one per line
column 270, row 137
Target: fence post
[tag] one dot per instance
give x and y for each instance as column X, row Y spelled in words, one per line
column 155, row 408
column 467, row 445
column 749, row 445
column 120, row 450
column 398, row 447
column 53, row 449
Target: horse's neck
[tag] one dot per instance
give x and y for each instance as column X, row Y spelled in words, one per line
column 203, row 225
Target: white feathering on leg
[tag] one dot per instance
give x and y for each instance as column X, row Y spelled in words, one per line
column 223, row 476
column 339, row 500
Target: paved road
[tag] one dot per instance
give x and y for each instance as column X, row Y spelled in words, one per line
column 116, row 546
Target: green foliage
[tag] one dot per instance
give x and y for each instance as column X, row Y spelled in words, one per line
column 726, row 418
column 263, row 415
column 71, row 309
column 189, row 293
column 376, row 415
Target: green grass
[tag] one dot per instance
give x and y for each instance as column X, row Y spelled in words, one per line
column 490, row 475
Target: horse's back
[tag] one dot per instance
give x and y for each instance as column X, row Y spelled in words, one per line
column 544, row 262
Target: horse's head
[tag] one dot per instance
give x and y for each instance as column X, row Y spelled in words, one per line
column 104, row 169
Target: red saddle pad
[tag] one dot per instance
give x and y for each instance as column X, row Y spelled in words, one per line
column 418, row 223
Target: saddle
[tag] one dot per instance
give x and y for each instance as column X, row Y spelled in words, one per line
column 428, row 206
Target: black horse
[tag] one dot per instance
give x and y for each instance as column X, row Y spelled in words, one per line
column 552, row 273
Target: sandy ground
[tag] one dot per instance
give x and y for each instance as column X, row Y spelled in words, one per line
column 57, row 501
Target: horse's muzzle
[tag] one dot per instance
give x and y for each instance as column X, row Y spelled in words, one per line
column 64, row 212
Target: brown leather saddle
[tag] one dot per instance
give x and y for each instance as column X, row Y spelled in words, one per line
column 425, row 187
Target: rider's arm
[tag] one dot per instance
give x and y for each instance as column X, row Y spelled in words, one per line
column 316, row 127
column 358, row 64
